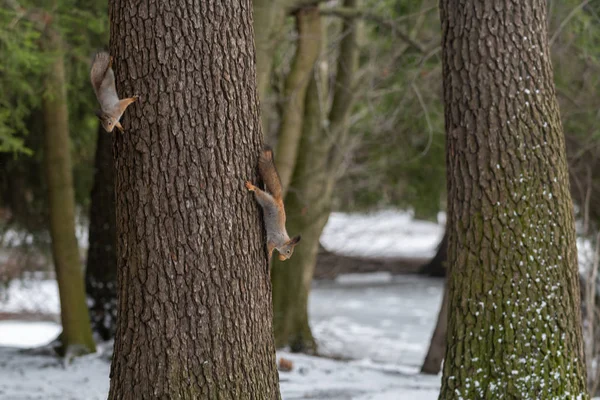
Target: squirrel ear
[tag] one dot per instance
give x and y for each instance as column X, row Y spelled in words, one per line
column 295, row 239
column 99, row 113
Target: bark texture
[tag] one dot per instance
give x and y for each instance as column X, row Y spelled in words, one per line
column 101, row 269
column 308, row 202
column 76, row 336
column 193, row 287
column 514, row 330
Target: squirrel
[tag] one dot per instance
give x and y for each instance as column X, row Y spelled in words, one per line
column 272, row 205
column 103, row 81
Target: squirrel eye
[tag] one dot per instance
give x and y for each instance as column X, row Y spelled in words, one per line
column 288, row 251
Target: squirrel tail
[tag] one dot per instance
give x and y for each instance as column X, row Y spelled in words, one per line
column 102, row 62
column 268, row 173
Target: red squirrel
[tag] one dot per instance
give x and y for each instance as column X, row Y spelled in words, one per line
column 103, row 81
column 273, row 208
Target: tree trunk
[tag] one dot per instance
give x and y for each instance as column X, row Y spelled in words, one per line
column 193, row 286
column 269, row 18
column 76, row 336
column 436, row 267
column 101, row 270
column 308, row 202
column 437, row 346
column 307, row 213
column 308, row 46
column 514, row 331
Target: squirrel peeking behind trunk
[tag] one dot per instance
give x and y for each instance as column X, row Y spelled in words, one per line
column 273, row 209
column 103, row 81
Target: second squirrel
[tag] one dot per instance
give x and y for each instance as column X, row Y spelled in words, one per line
column 273, row 209
column 103, row 81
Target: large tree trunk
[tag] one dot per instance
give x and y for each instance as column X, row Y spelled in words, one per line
column 76, row 336
column 308, row 202
column 193, row 286
column 514, row 330
column 101, row 270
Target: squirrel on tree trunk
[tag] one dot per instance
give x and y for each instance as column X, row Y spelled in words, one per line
column 103, row 81
column 273, row 209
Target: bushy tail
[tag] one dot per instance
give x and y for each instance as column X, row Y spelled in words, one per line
column 99, row 66
column 268, row 173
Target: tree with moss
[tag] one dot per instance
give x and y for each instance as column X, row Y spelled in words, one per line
column 514, row 328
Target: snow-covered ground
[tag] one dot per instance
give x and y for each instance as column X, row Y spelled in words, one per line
column 387, row 233
column 382, row 324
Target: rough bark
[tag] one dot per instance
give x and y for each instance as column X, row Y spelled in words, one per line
column 76, row 337
column 193, row 287
column 101, row 269
column 308, row 202
column 436, row 267
column 437, row 347
column 308, row 46
column 514, row 331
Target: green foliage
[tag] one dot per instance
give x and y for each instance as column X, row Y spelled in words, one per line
column 83, row 26
column 20, row 78
column 399, row 120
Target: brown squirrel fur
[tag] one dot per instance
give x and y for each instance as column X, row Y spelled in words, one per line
column 103, row 81
column 273, row 208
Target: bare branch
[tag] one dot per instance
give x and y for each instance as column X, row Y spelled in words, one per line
column 353, row 13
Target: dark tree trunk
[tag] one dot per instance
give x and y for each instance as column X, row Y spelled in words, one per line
column 514, row 329
column 436, row 267
column 193, row 285
column 437, row 347
column 101, row 270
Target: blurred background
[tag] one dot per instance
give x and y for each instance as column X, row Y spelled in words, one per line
column 352, row 91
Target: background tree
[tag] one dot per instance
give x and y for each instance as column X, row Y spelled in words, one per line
column 76, row 336
column 194, row 294
column 101, row 266
column 515, row 325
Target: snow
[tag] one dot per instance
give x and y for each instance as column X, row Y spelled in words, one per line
column 383, row 325
column 372, row 330
column 27, row 333
column 388, row 233
column 30, row 296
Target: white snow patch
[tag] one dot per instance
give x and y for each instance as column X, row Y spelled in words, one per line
column 389, row 233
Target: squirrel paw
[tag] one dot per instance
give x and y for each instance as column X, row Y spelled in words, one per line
column 250, row 186
column 135, row 97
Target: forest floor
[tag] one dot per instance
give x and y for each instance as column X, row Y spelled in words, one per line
column 373, row 330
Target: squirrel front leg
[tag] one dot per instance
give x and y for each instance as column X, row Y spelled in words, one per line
column 263, row 198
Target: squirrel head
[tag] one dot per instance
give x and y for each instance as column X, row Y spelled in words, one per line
column 286, row 251
column 108, row 122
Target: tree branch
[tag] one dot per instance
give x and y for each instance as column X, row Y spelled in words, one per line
column 353, row 13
